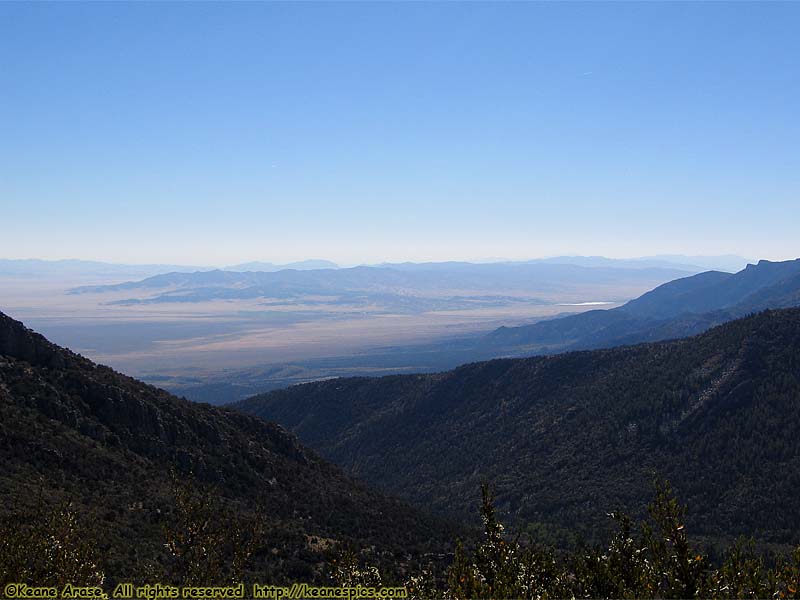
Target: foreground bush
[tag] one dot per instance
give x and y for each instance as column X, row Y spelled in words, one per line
column 51, row 547
column 202, row 544
column 651, row 560
column 205, row 546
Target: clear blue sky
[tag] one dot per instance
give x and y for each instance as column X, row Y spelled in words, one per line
column 216, row 133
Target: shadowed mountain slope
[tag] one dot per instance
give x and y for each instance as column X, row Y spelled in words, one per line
column 675, row 309
column 74, row 430
column 562, row 435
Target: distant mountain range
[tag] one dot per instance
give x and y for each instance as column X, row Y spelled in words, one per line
column 98, row 270
column 397, row 285
column 303, row 265
column 83, row 269
column 95, row 269
column 558, row 436
column 728, row 262
column 676, row 309
column 73, row 430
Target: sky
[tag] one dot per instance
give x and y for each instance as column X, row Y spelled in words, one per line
column 205, row 133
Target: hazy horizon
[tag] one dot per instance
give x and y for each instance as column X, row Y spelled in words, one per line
column 397, row 260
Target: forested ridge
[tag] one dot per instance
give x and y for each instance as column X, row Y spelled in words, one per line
column 558, row 436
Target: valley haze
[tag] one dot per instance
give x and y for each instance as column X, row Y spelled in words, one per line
column 222, row 334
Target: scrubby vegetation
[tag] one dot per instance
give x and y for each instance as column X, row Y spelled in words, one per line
column 201, row 543
column 651, row 559
column 51, row 547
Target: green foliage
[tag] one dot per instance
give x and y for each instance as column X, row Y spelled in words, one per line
column 679, row 570
column 501, row 568
column 652, row 560
column 51, row 547
column 206, row 543
column 349, row 571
